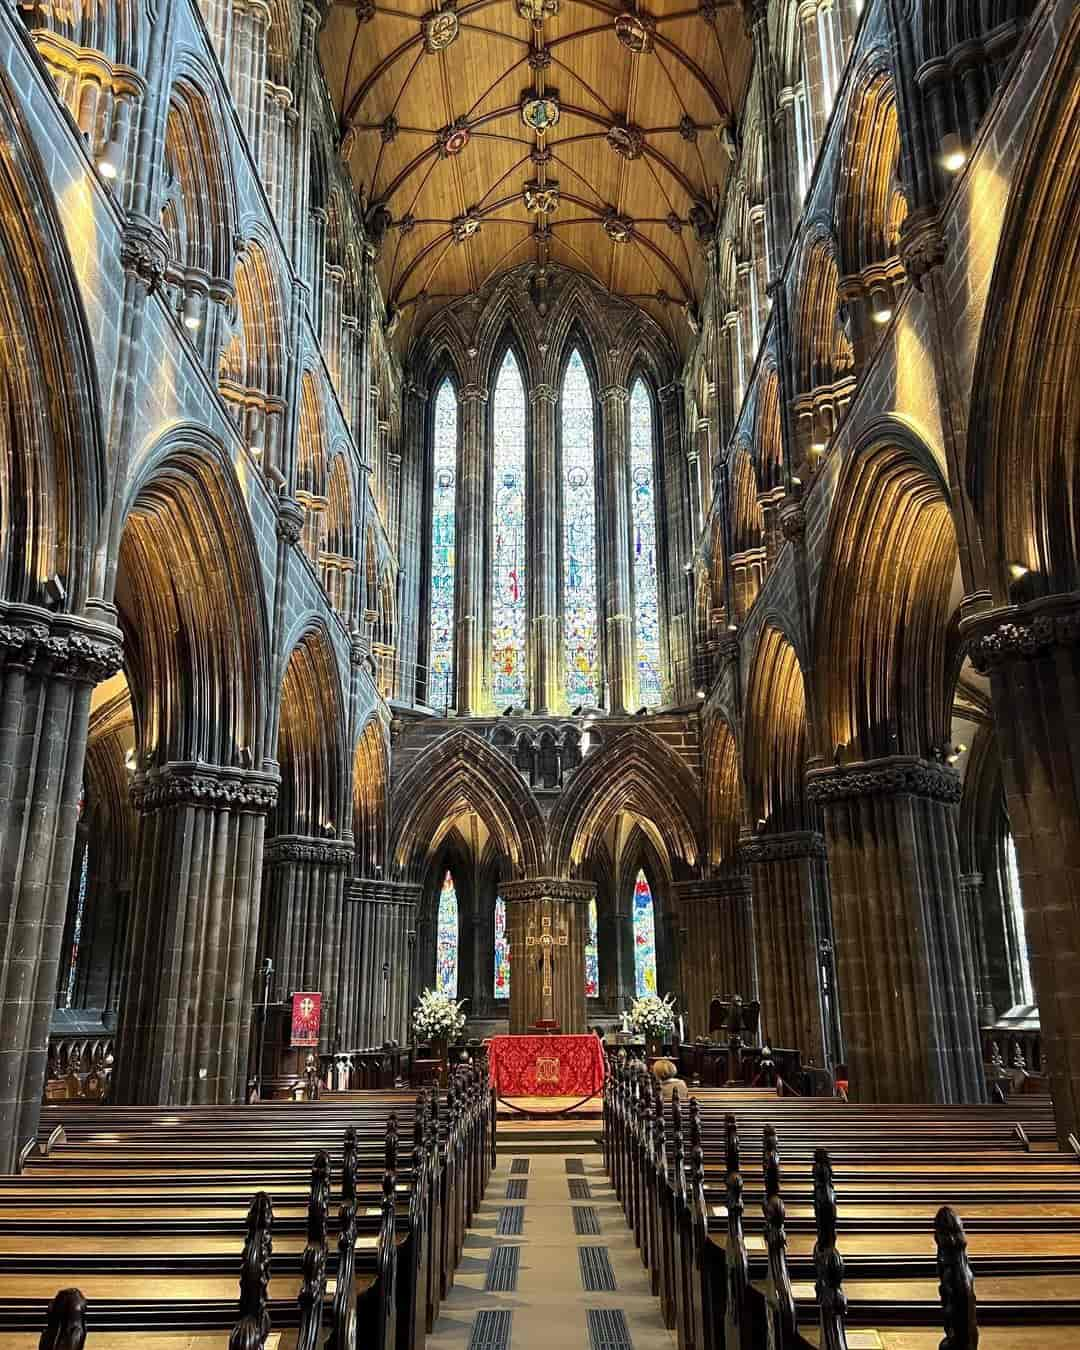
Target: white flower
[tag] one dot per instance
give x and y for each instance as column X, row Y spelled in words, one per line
column 438, row 1017
column 652, row 1016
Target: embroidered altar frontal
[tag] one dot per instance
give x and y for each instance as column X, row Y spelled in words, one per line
column 546, row 1066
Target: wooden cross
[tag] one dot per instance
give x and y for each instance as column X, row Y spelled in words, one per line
column 547, row 943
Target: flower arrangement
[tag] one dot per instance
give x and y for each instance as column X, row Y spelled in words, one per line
column 653, row 1017
column 437, row 1017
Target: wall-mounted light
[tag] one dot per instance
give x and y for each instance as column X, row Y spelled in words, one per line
column 255, row 451
column 881, row 310
column 701, row 693
column 110, row 160
column 953, row 156
column 55, row 592
column 129, row 760
column 192, row 313
column 1017, row 570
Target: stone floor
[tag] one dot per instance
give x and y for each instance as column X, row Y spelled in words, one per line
column 540, row 1293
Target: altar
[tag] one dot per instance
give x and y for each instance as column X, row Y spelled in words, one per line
column 546, row 1066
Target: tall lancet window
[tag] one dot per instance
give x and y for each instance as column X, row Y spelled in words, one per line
column 508, row 602
column 446, row 939
column 444, row 479
column 579, row 535
column 592, row 955
column 643, row 510
column 502, row 951
column 644, row 937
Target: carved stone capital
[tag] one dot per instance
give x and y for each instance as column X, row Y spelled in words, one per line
column 290, row 520
column 365, row 890
column 727, row 649
column 473, row 393
column 296, row 848
column 544, row 393
column 922, row 245
column 732, row 884
column 144, row 251
column 615, row 393
column 547, row 888
column 896, row 776
column 790, row 847
column 58, row 645
column 1021, row 632
column 188, row 784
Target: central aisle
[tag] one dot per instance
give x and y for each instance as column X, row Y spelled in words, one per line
column 571, row 1277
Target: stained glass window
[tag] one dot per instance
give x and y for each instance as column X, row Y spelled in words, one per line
column 446, row 939
column 502, row 951
column 579, row 534
column 444, row 476
column 508, row 603
column 644, row 938
column 592, row 957
column 643, row 507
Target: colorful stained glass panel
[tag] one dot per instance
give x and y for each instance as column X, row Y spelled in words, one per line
column 446, row 940
column 643, row 507
column 502, row 951
column 579, row 535
column 444, row 472
column 592, row 957
column 508, row 562
column 644, row 938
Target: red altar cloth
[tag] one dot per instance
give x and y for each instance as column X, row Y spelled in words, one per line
column 546, row 1066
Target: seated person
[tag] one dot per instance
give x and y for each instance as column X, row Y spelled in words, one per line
column 671, row 1085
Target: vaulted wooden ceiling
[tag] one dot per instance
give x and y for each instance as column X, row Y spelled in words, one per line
column 461, row 119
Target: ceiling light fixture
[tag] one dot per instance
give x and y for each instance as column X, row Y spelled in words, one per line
column 110, row 160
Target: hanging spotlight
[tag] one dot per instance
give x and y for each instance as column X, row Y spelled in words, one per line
column 55, row 592
column 110, row 159
column 192, row 312
column 953, row 156
column 881, row 310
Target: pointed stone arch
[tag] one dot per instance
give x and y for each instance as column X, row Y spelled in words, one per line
column 460, row 774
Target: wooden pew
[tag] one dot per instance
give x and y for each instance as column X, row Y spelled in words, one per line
column 892, row 1165
column 141, row 1207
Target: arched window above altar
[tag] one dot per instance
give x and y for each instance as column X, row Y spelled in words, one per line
column 508, row 543
column 644, row 937
column 502, row 951
column 446, row 939
column 592, row 956
column 580, row 628
column 643, row 506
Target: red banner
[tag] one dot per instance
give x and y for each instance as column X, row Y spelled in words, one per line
column 546, row 1066
column 306, row 1020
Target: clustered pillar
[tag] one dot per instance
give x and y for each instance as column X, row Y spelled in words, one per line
column 537, row 910
column 545, row 553
column 48, row 667
column 470, row 553
column 377, row 956
column 718, row 945
column 902, row 958
column 191, row 957
column 791, row 906
column 618, row 590
column 1031, row 654
column 305, row 886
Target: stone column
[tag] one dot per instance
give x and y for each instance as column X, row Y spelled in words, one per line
column 410, row 541
column 1031, row 654
column 536, row 910
column 304, row 884
column 620, row 665
column 544, row 578
column 790, row 900
column 379, row 918
column 777, row 171
column 190, row 971
column 902, row 960
column 49, row 664
column 471, row 514
column 718, row 949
